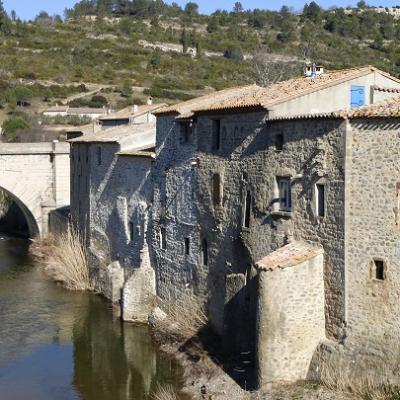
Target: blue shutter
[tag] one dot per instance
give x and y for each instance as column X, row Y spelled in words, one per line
column 357, row 96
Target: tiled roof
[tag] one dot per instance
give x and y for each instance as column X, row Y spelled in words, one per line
column 57, row 109
column 86, row 110
column 385, row 89
column 114, row 135
column 137, row 153
column 289, row 256
column 389, row 108
column 186, row 108
column 266, row 97
column 128, row 112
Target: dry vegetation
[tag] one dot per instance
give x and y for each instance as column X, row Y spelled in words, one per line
column 185, row 318
column 64, row 258
column 166, row 392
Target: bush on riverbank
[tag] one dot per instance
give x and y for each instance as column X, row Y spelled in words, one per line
column 64, row 258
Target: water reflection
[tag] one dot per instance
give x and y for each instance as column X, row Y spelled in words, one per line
column 59, row 345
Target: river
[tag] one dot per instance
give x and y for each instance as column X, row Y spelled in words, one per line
column 59, row 345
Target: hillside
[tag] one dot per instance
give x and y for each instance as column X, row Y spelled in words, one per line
column 142, row 47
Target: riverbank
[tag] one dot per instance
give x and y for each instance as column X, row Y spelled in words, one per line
column 208, row 376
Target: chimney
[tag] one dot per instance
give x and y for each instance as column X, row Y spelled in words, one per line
column 135, row 108
column 149, row 101
column 313, row 70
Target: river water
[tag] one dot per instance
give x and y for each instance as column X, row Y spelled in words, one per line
column 59, row 345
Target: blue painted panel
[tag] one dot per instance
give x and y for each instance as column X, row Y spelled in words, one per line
column 357, row 96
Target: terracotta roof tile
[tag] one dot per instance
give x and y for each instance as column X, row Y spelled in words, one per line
column 114, row 135
column 265, row 97
column 289, row 256
column 128, row 112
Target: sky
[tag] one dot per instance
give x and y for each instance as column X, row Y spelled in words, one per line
column 28, row 9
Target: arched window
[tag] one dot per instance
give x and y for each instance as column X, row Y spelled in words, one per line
column 204, row 252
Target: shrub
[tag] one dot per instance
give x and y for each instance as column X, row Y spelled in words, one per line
column 234, row 52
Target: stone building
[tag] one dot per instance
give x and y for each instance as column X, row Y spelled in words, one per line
column 265, row 210
column 110, row 199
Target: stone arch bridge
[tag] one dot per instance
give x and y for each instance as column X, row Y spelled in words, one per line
column 37, row 177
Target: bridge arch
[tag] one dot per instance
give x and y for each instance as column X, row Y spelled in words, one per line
column 32, row 222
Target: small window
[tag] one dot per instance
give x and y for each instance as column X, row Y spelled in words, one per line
column 204, row 252
column 99, row 156
column 131, row 231
column 378, row 271
column 187, row 246
column 216, row 134
column 247, row 209
column 285, row 194
column 320, row 199
column 187, row 131
column 279, row 140
column 163, row 238
column 216, row 190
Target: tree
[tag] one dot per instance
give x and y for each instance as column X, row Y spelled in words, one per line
column 155, row 60
column 362, row 4
column 312, row 11
column 14, row 125
column 191, row 8
column 238, row 8
column 268, row 71
column 22, row 95
column 13, row 15
column 5, row 27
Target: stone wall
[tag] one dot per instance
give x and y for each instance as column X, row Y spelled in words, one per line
column 373, row 231
column 291, row 320
column 246, row 161
column 114, row 218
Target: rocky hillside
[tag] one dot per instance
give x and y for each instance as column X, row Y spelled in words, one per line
column 136, row 48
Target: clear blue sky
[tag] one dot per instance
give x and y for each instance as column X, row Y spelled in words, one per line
column 28, row 9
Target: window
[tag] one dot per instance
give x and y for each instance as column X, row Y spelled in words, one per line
column 285, row 194
column 247, row 210
column 216, row 190
column 216, row 134
column 163, row 238
column 378, row 270
column 357, row 96
column 187, row 131
column 204, row 252
column 187, row 246
column 99, row 160
column 320, row 199
column 279, row 139
column 131, row 231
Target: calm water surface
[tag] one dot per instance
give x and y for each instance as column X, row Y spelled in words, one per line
column 58, row 345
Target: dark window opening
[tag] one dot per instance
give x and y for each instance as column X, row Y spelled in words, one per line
column 279, row 142
column 216, row 134
column 247, row 210
column 163, row 238
column 320, row 199
column 99, row 160
column 131, row 231
column 285, row 194
column 204, row 252
column 187, row 246
column 187, row 132
column 379, row 270
column 216, row 190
